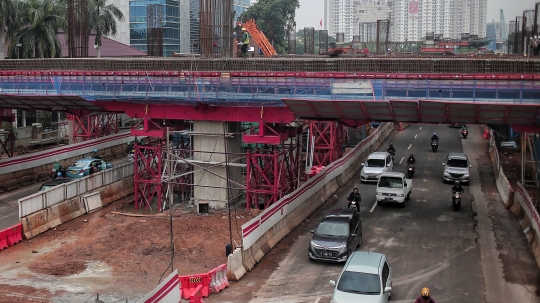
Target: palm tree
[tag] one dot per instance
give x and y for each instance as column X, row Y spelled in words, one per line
column 101, row 19
column 34, row 33
column 6, row 11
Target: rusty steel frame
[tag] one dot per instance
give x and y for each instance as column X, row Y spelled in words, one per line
column 154, row 27
column 328, row 145
column 216, row 26
column 77, row 29
column 94, row 126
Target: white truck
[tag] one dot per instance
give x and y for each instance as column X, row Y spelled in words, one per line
column 393, row 187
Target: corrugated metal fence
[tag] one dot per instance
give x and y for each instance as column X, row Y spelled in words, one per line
column 63, row 192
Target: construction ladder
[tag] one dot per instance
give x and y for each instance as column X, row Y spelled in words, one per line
column 260, row 38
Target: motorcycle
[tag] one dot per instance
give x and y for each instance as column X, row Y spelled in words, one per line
column 410, row 170
column 54, row 174
column 464, row 133
column 392, row 154
column 456, row 200
column 352, row 205
column 130, row 157
column 434, row 145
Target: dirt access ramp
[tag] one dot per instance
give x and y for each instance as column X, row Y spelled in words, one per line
column 119, row 257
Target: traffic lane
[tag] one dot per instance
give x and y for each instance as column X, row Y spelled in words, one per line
column 9, row 206
column 427, row 242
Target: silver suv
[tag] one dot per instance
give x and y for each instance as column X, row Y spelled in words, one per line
column 456, row 168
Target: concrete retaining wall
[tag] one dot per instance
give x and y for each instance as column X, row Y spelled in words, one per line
column 50, row 217
column 291, row 210
column 517, row 200
column 36, row 167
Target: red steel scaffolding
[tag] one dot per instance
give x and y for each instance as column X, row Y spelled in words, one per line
column 94, row 126
column 328, row 145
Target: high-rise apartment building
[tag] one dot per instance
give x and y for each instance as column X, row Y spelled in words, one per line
column 410, row 20
column 413, row 19
column 339, row 18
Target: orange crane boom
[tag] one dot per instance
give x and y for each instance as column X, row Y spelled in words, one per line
column 260, row 38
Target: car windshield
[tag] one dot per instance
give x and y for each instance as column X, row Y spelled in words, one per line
column 360, row 283
column 391, row 182
column 45, row 187
column 335, row 229
column 457, row 163
column 79, row 164
column 375, row 163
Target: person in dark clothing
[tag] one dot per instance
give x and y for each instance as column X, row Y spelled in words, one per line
column 457, row 187
column 391, row 149
column 412, row 160
column 354, row 196
column 434, row 137
column 424, row 296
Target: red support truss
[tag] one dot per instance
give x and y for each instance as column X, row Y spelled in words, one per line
column 272, row 170
column 328, row 146
column 148, row 171
column 94, row 126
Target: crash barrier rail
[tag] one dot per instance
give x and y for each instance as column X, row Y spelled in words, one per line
column 10, row 236
column 517, row 200
column 65, row 152
column 166, row 292
column 52, row 196
column 263, row 232
column 255, row 228
column 213, row 281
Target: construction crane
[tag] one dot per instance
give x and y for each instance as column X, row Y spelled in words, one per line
column 503, row 27
column 259, row 37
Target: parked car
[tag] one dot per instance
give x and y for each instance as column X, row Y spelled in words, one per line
column 376, row 164
column 456, row 168
column 366, row 277
column 81, row 168
column 53, row 183
column 393, row 188
column 338, row 234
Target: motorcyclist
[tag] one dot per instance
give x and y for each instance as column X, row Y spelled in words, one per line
column 424, row 296
column 434, row 137
column 96, row 156
column 129, row 148
column 354, row 196
column 57, row 165
column 464, row 127
column 457, row 187
column 411, row 160
column 391, row 149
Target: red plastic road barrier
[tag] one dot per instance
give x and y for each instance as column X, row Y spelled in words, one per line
column 14, row 234
column 315, row 170
column 3, row 240
column 196, row 295
column 189, row 283
column 400, row 126
column 218, row 278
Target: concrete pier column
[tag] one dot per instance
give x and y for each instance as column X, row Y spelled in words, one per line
column 209, row 146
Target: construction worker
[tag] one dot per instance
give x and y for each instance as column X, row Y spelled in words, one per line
column 245, row 42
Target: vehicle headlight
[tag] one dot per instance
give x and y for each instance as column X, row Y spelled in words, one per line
column 341, row 247
column 466, row 175
column 314, row 245
column 446, row 173
column 400, row 195
column 379, row 194
column 362, row 173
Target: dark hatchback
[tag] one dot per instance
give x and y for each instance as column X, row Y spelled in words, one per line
column 53, row 183
column 337, row 236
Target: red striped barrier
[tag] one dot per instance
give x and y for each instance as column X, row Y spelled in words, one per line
column 189, row 283
column 14, row 234
column 218, row 278
column 3, row 240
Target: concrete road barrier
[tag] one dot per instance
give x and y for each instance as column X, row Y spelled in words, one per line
column 235, row 266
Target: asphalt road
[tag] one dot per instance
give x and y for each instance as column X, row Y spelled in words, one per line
column 9, row 207
column 427, row 243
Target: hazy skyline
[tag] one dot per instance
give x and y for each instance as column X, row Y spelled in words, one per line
column 311, row 12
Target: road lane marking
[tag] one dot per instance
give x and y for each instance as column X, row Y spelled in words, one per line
column 410, row 146
column 415, row 136
column 401, row 160
column 373, row 206
column 420, row 127
column 317, row 300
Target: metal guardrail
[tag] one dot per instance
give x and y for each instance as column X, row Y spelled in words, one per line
column 52, row 196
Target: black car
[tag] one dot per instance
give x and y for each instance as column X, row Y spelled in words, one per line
column 53, row 183
column 337, row 236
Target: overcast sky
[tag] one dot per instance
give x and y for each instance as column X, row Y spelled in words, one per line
column 311, row 12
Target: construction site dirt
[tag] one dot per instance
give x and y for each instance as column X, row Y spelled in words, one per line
column 116, row 256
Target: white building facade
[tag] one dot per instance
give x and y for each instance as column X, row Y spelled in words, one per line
column 410, row 20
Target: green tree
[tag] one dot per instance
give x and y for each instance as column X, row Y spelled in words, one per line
column 275, row 18
column 102, row 20
column 34, row 31
column 6, row 17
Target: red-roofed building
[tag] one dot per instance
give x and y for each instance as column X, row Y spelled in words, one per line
column 109, row 48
